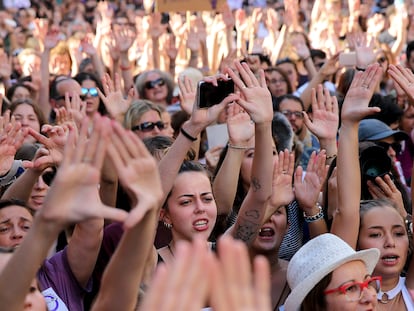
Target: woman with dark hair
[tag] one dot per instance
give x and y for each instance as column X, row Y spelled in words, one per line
column 89, row 85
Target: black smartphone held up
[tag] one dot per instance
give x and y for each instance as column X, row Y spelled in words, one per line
column 209, row 95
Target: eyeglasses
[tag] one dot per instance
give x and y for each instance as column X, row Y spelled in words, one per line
column 148, row 126
column 289, row 114
column 62, row 97
column 395, row 146
column 353, row 291
column 93, row 91
column 152, row 84
column 48, row 177
column 381, row 60
column 275, row 81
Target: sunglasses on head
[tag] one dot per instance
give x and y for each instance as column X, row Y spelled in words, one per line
column 152, row 84
column 93, row 91
column 149, row 126
column 395, row 146
column 48, row 177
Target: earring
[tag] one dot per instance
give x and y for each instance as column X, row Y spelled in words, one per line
column 167, row 225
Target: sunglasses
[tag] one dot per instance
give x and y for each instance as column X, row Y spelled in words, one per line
column 62, row 97
column 93, row 91
column 289, row 114
column 395, row 146
column 148, row 126
column 48, row 177
column 152, row 84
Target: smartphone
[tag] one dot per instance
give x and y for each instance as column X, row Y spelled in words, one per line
column 347, row 59
column 209, row 95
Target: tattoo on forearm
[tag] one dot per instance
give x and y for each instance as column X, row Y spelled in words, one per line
column 246, row 230
column 256, row 184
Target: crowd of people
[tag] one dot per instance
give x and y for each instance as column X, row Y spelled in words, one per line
column 120, row 190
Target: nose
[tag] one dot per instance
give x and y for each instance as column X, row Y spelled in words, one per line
column 199, row 209
column 389, row 241
column 40, row 184
column 17, row 233
column 369, row 295
column 156, row 130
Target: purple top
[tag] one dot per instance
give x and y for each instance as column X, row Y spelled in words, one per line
column 59, row 285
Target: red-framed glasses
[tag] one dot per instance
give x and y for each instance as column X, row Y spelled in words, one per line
column 353, row 291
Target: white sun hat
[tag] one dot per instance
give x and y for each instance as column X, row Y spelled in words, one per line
column 318, row 258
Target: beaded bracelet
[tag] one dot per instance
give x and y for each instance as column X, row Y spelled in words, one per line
column 237, row 147
column 186, row 135
column 315, row 217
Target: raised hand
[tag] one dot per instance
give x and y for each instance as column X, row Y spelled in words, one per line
column 403, row 78
column 74, row 196
column 192, row 261
column 282, row 188
column 364, row 50
column 124, row 38
column 239, row 287
column 255, row 96
column 54, row 145
column 325, row 114
column 137, row 171
column 75, row 107
column 12, row 136
column 201, row 118
column 187, row 94
column 113, row 98
column 239, row 125
column 384, row 187
column 363, row 86
column 307, row 189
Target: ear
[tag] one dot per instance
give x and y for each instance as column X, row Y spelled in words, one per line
column 164, row 216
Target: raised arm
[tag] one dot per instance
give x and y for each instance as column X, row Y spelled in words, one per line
column 65, row 204
column 139, row 175
column 241, row 131
column 256, row 100
column 355, row 107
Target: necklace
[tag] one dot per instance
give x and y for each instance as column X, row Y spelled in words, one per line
column 169, row 248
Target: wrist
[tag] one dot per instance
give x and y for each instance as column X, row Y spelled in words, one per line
column 191, row 129
column 314, row 214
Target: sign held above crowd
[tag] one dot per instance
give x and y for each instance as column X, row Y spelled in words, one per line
column 189, row 5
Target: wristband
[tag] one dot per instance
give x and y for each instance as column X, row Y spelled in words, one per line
column 316, row 217
column 186, row 135
column 360, row 69
column 237, row 147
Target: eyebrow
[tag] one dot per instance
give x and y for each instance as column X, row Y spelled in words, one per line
column 381, row 227
column 20, row 219
column 192, row 195
column 353, row 280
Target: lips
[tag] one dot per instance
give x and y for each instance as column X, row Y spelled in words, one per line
column 201, row 224
column 390, row 260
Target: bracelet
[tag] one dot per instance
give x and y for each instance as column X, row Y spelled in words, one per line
column 315, row 217
column 331, row 157
column 237, row 147
column 186, row 135
column 360, row 69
